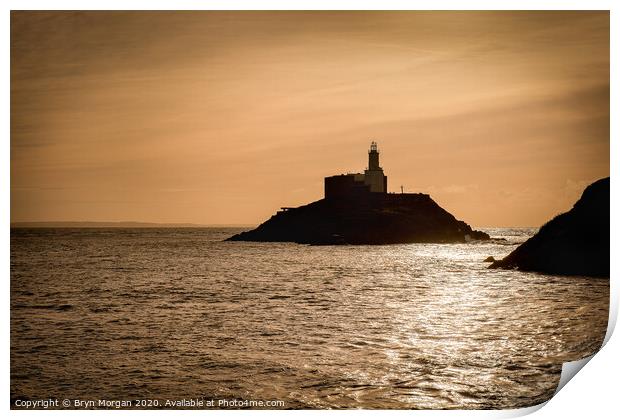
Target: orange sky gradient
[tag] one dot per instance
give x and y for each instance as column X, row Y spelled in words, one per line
column 223, row 117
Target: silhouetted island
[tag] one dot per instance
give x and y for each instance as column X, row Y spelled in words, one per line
column 573, row 243
column 358, row 210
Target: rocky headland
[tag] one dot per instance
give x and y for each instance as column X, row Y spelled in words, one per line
column 572, row 243
column 373, row 218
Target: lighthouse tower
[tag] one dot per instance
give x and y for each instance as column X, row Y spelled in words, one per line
column 373, row 176
column 373, row 157
column 358, row 185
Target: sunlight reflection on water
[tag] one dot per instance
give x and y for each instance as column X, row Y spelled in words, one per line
column 177, row 313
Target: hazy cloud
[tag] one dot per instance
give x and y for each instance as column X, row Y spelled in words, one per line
column 119, row 111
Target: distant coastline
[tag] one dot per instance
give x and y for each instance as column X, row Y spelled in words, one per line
column 128, row 224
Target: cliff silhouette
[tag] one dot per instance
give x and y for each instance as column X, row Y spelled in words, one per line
column 573, row 243
column 372, row 218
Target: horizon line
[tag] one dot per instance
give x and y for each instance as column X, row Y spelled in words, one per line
column 124, row 223
column 137, row 224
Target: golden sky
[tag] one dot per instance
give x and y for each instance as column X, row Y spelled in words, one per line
column 223, row 117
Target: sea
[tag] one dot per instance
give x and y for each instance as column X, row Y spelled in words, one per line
column 167, row 316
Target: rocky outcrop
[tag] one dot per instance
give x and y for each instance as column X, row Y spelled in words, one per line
column 375, row 218
column 573, row 243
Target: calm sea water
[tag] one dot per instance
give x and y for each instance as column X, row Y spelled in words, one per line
column 177, row 313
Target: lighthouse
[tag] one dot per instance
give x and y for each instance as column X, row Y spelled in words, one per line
column 359, row 185
column 373, row 157
column 373, row 175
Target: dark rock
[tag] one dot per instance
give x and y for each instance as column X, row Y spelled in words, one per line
column 376, row 218
column 573, row 243
column 489, row 259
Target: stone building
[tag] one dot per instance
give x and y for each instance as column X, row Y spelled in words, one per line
column 359, row 184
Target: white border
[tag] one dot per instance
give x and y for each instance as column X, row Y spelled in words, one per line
column 593, row 394
column 310, row 5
